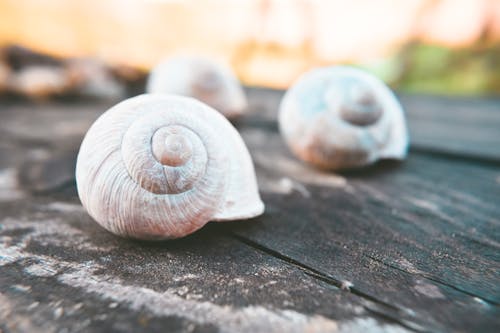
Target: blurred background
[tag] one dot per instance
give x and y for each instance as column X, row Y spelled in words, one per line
column 103, row 47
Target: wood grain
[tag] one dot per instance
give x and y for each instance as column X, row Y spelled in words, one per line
column 397, row 246
column 61, row 271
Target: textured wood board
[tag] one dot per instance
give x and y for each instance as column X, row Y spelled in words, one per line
column 59, row 270
column 421, row 235
column 395, row 247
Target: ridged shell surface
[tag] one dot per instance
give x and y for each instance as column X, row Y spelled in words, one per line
column 340, row 117
column 160, row 166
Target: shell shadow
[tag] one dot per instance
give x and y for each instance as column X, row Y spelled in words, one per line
column 209, row 235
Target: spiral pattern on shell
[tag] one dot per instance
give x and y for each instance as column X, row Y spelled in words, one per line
column 341, row 117
column 155, row 167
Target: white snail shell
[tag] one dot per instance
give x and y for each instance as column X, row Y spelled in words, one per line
column 204, row 79
column 160, row 166
column 340, row 117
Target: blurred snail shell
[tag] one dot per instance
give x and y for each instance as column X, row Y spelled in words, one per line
column 160, row 166
column 204, row 79
column 340, row 117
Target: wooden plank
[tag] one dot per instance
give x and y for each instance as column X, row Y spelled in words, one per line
column 41, row 141
column 47, row 125
column 422, row 236
column 461, row 126
column 60, row 271
column 456, row 125
column 419, row 240
column 464, row 127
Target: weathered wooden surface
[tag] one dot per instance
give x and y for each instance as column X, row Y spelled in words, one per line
column 410, row 246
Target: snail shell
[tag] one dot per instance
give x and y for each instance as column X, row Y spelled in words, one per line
column 340, row 117
column 208, row 81
column 160, row 166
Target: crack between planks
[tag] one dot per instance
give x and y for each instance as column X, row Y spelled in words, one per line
column 314, row 273
column 430, row 278
column 324, row 278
